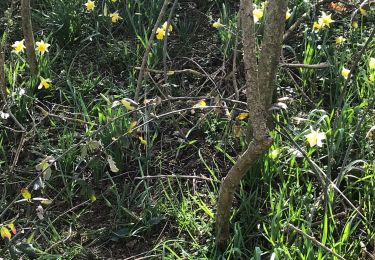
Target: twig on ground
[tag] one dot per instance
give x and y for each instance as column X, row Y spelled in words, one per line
column 315, row 241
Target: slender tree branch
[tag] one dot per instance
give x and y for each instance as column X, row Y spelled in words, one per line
column 148, row 49
column 29, row 36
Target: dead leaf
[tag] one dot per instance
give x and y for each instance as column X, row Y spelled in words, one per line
column 112, row 164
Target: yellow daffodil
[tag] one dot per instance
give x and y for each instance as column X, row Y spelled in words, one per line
column 115, row 17
column 340, row 40
column 274, row 154
column 326, row 19
column 42, row 47
column 258, row 14
column 372, row 77
column 355, row 24
column 165, row 27
column 200, row 104
column 242, row 116
column 315, row 138
column 217, row 24
column 363, row 11
column 371, row 63
column 90, row 5
column 44, row 83
column 345, row 73
column 160, row 33
column 18, row 46
column 114, row 1
column 317, row 26
column 288, row 15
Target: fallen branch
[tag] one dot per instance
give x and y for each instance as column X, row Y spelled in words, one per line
column 174, row 72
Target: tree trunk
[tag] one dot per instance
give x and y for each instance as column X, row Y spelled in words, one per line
column 259, row 90
column 29, row 36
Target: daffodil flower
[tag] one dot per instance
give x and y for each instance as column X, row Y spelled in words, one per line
column 44, row 83
column 288, row 15
column 355, row 24
column 42, row 47
column 325, row 19
column 115, row 17
column 340, row 40
column 258, row 14
column 317, row 26
column 217, row 24
column 315, row 138
column 345, row 73
column 160, row 33
column 274, row 154
column 371, row 63
column 90, row 5
column 165, row 27
column 4, row 115
column 114, row 1
column 18, row 46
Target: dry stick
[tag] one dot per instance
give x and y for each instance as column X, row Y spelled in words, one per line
column 316, row 242
column 306, row 66
column 148, row 49
column 165, row 44
column 163, row 176
column 175, row 72
column 296, row 84
column 3, row 88
column 294, row 27
column 29, row 36
column 256, row 104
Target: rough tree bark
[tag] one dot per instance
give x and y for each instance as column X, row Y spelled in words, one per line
column 29, row 36
column 259, row 90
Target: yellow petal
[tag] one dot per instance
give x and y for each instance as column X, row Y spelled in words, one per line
column 201, row 103
column 242, row 116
